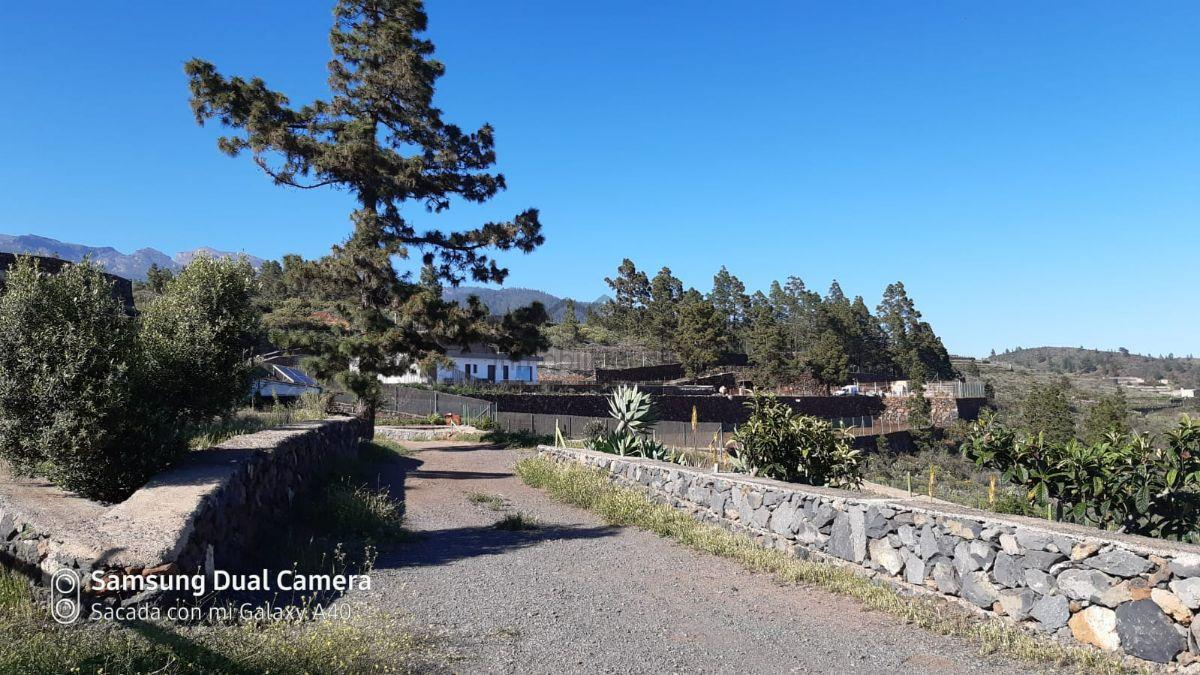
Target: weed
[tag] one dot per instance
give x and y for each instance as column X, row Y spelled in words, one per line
column 590, row 489
column 516, row 522
column 493, row 502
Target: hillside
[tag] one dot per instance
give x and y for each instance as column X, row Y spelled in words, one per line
column 1152, row 411
column 501, row 300
column 128, row 265
column 1180, row 371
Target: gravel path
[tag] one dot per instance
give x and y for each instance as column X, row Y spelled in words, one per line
column 575, row 595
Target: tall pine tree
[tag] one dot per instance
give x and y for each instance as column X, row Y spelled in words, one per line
column 379, row 137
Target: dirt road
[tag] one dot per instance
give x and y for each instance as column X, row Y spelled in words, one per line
column 574, row 595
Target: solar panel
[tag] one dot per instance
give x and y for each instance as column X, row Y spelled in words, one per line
column 296, row 376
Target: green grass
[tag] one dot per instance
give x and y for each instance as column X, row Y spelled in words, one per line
column 31, row 643
column 515, row 522
column 381, row 450
column 493, row 502
column 516, row 439
column 590, row 489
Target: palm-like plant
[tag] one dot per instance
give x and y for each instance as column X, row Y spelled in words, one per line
column 635, row 416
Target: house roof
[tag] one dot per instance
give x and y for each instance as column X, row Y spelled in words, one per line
column 479, row 350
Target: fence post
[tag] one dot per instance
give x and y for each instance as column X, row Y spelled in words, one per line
column 435, row 403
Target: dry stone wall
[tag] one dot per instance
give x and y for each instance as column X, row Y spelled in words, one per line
column 208, row 509
column 1114, row 592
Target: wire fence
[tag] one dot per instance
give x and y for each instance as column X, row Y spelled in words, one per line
column 591, row 358
column 422, row 402
column 673, row 434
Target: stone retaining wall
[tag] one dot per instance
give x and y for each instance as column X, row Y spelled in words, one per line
column 1115, row 592
column 205, row 511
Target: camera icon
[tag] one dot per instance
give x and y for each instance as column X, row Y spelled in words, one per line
column 65, row 604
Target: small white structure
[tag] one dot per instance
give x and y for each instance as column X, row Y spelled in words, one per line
column 474, row 363
column 1184, row 393
column 284, row 382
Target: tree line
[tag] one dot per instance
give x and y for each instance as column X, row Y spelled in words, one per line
column 786, row 332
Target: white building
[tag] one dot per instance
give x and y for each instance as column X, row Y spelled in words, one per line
column 474, row 363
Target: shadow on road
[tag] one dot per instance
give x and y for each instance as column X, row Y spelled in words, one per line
column 438, row 547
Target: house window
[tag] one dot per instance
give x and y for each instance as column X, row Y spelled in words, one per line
column 505, row 374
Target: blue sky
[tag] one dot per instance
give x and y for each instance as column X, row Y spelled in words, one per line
column 1029, row 170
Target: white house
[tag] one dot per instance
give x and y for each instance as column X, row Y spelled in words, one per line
column 474, row 363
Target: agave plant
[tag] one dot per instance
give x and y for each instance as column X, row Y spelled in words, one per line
column 634, row 413
column 633, row 410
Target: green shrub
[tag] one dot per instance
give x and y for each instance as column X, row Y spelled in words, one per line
column 72, row 404
column 778, row 443
column 196, row 338
column 1123, row 483
column 96, row 401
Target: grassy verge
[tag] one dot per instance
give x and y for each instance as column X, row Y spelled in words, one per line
column 335, row 531
column 516, row 439
column 589, row 489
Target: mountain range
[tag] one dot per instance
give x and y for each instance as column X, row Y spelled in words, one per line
column 129, row 265
column 134, row 266
column 501, row 300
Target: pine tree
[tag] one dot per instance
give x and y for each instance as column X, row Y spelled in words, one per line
column 380, row 138
column 915, row 348
column 1110, row 414
column 729, row 298
column 766, row 343
column 700, row 336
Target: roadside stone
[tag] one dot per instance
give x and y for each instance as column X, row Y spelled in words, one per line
column 875, row 523
column 754, row 499
column 1147, row 633
column 1042, row 560
column 759, row 518
column 848, row 540
column 1008, row 543
column 883, row 555
column 806, row 533
column 946, row 579
column 1116, row 594
column 964, row 561
column 1084, row 549
column 914, row 569
column 1007, row 570
column 717, row 503
column 1084, row 584
column 822, row 516
column 1018, row 604
column 1186, row 565
column 1097, row 626
column 1051, row 612
column 1188, row 591
column 772, row 498
column 928, row 545
column 1171, row 604
column 908, row 535
column 1041, row 582
column 1119, row 562
column 978, row 590
column 983, row 552
column 963, row 528
column 785, row 519
column 1033, row 541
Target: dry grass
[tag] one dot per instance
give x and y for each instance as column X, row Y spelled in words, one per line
column 590, row 489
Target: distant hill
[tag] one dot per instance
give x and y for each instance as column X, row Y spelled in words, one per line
column 128, row 265
column 502, row 300
column 1179, row 370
